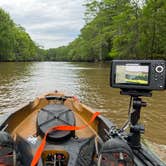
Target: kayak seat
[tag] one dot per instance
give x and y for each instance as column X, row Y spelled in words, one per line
column 55, row 115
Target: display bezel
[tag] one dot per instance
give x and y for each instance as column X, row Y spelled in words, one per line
column 131, row 86
column 156, row 79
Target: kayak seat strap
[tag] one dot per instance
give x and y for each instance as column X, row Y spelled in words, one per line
column 64, row 128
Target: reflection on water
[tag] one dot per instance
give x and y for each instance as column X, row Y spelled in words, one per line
column 22, row 82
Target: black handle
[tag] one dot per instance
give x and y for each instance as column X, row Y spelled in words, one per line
column 61, row 98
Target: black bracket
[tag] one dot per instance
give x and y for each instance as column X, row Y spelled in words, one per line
column 134, row 136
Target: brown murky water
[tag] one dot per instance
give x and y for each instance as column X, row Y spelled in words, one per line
column 22, row 82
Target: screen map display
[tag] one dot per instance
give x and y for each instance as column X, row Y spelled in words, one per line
column 132, row 74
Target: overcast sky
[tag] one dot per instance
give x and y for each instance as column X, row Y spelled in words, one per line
column 50, row 23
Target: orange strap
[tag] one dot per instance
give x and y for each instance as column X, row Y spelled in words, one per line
column 66, row 128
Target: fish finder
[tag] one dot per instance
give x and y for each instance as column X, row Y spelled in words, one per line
column 137, row 78
column 138, row 74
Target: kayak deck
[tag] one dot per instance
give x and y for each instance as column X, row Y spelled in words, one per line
column 23, row 127
column 23, row 122
column 82, row 148
column 26, row 128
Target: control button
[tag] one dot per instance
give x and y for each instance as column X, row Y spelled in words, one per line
column 159, row 69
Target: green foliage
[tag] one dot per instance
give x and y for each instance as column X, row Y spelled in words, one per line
column 153, row 29
column 115, row 29
column 25, row 48
column 6, row 36
column 15, row 43
column 120, row 29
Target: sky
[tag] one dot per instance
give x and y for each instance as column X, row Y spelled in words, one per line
column 50, row 23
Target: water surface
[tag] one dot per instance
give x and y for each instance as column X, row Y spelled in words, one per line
column 22, row 82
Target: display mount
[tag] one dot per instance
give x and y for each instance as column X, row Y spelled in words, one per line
column 137, row 78
column 134, row 136
column 136, row 93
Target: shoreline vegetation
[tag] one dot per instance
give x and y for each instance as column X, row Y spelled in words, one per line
column 123, row 29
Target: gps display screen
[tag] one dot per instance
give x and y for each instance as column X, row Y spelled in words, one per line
column 136, row 74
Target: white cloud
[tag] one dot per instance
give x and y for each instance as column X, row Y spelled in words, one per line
column 50, row 23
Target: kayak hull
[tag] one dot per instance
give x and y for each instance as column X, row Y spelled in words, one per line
column 29, row 124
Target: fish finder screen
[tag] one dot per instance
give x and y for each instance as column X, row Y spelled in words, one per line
column 136, row 74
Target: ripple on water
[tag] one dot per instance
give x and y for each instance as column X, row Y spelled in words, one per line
column 22, row 82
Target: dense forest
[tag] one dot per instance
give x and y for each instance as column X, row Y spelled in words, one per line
column 118, row 29
column 15, row 43
column 115, row 29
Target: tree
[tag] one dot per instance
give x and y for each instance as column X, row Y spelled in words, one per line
column 125, row 29
column 25, row 48
column 15, row 42
column 6, row 36
column 153, row 29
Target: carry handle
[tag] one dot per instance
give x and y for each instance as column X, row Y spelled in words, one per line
column 60, row 98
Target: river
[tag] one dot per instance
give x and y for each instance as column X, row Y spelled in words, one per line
column 22, row 82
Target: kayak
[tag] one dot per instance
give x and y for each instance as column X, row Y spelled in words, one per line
column 59, row 130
